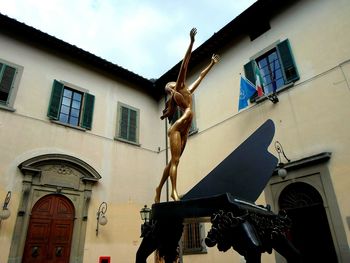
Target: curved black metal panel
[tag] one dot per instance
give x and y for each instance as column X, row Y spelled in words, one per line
column 245, row 172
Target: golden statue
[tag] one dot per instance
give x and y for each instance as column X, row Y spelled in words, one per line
column 181, row 96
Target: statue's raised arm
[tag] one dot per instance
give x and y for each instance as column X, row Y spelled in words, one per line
column 214, row 59
column 180, row 82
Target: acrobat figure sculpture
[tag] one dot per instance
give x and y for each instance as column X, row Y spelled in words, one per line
column 181, row 97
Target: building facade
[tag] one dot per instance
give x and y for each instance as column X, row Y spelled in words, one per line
column 77, row 131
column 72, row 129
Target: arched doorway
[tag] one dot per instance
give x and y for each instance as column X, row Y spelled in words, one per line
column 50, row 231
column 310, row 231
column 66, row 179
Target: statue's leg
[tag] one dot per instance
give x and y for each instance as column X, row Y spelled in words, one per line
column 162, row 181
column 175, row 149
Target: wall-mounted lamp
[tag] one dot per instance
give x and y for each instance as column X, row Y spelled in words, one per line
column 145, row 213
column 5, row 212
column 282, row 172
column 101, row 218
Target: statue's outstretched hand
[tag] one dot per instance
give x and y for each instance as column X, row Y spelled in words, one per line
column 215, row 58
column 193, row 33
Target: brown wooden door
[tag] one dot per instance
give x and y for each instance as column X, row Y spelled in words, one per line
column 50, row 231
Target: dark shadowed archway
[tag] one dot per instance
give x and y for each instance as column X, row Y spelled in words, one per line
column 310, row 231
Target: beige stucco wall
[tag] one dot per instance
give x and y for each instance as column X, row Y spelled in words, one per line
column 129, row 173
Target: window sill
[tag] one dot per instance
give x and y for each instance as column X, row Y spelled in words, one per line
column 4, row 107
column 126, row 141
column 266, row 97
column 68, row 125
column 195, row 252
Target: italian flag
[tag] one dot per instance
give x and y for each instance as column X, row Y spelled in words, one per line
column 258, row 81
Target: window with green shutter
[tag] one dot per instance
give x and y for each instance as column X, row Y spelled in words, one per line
column 128, row 123
column 9, row 81
column 71, row 106
column 276, row 66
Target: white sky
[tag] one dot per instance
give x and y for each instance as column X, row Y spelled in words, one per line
column 147, row 37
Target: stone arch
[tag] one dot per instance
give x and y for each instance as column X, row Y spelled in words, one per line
column 298, row 195
column 88, row 172
column 54, row 174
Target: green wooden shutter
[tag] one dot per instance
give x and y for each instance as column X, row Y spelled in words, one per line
column 249, row 71
column 55, row 100
column 88, row 111
column 132, row 125
column 128, row 124
column 7, row 76
column 289, row 68
column 193, row 122
column 124, row 120
column 250, row 75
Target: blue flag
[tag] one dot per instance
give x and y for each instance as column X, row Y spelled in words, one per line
column 247, row 90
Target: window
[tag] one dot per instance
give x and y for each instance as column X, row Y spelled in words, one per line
column 193, row 238
column 71, row 106
column 9, row 81
column 128, row 123
column 276, row 66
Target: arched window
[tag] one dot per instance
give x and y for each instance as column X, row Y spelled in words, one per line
column 298, row 195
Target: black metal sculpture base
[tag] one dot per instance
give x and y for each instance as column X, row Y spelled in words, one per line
column 249, row 229
column 161, row 235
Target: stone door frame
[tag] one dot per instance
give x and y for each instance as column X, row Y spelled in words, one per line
column 314, row 171
column 60, row 174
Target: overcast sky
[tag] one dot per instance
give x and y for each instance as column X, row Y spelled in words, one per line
column 147, row 37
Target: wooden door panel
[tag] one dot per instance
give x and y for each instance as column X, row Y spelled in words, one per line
column 39, row 230
column 63, row 209
column 44, row 208
column 61, row 239
column 61, row 230
column 35, row 253
column 50, row 231
column 37, row 240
